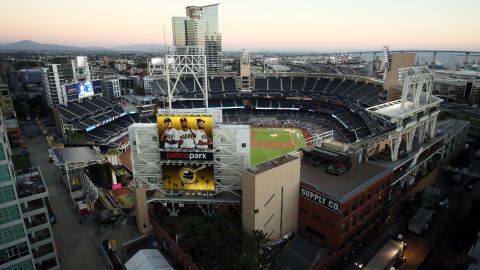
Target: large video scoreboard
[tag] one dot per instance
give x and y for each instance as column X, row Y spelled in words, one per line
column 81, row 90
column 186, row 151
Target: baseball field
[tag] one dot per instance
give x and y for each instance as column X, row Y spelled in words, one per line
column 269, row 143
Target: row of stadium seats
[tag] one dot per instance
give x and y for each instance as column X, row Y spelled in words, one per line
column 191, row 86
column 89, row 111
column 366, row 94
column 110, row 131
column 313, row 122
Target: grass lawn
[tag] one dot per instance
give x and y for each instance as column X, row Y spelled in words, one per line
column 21, row 162
column 272, row 135
column 262, row 154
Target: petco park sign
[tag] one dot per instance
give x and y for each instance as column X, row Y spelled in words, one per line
column 186, row 156
column 320, row 199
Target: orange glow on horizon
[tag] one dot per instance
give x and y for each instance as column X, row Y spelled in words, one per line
column 268, row 25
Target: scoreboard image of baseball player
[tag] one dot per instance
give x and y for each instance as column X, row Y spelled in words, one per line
column 185, row 132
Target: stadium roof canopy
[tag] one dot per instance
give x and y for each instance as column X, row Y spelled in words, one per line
column 75, row 155
column 393, row 111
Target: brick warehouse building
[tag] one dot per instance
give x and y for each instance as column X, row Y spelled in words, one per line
column 343, row 211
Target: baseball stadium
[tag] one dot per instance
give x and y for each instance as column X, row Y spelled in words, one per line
column 269, row 143
column 357, row 145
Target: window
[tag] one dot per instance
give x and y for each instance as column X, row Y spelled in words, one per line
column 25, row 265
column 369, row 196
column 317, row 218
column 7, row 194
column 355, row 219
column 354, row 206
column 4, row 174
column 244, row 145
column 11, row 233
column 2, row 154
column 346, row 212
column 13, row 253
column 330, row 224
column 9, row 214
column 362, row 200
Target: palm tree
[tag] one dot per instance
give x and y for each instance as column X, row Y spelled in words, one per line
column 260, row 239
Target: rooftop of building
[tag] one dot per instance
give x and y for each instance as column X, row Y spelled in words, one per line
column 75, row 155
column 344, row 186
column 270, row 164
column 301, row 254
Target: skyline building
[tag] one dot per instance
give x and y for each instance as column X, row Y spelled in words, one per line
column 111, row 88
column 53, row 80
column 198, row 33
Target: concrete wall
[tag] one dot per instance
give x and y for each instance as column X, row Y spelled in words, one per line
column 270, row 199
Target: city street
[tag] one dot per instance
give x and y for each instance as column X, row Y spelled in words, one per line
column 418, row 247
column 78, row 246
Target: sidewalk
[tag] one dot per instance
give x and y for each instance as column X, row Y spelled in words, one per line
column 367, row 253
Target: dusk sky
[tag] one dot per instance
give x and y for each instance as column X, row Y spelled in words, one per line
column 269, row 25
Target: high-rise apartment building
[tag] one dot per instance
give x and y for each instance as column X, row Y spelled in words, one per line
column 53, row 80
column 111, row 88
column 198, row 33
column 26, row 238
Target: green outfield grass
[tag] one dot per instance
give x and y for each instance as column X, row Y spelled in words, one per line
column 276, row 136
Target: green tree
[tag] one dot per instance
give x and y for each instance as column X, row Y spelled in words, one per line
column 139, row 91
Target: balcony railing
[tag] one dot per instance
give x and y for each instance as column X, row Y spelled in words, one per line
column 35, row 223
column 42, row 251
column 30, row 182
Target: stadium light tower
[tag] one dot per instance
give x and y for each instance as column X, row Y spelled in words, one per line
column 154, row 66
column 81, row 69
column 386, row 62
column 182, row 62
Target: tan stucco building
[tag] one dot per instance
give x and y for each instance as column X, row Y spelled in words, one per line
column 270, row 196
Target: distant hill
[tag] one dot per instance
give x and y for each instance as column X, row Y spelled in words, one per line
column 28, row 45
column 141, row 48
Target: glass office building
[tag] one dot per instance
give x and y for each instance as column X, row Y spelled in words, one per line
column 198, row 31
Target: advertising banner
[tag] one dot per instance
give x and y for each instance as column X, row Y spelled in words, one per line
column 188, row 177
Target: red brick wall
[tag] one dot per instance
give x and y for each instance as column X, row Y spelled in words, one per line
column 341, row 232
column 176, row 254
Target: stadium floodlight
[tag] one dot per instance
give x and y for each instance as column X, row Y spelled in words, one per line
column 82, row 61
column 157, row 61
column 170, row 59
